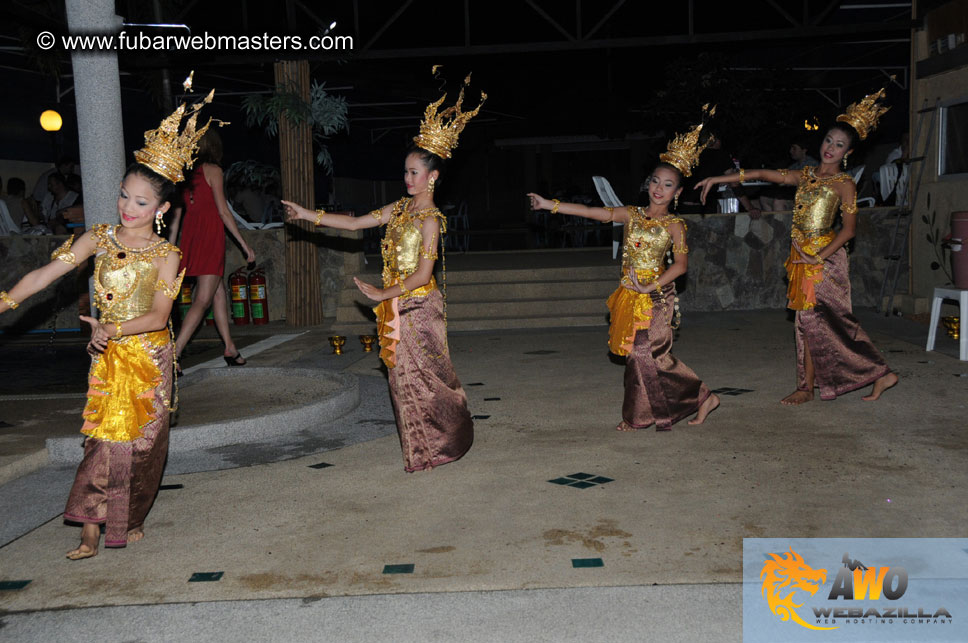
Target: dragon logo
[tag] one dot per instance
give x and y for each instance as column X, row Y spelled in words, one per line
column 789, row 572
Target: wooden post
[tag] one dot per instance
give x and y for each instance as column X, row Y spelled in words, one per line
column 303, row 302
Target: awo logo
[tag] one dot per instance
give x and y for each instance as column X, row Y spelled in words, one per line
column 783, row 576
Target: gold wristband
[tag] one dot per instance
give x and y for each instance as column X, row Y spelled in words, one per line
column 403, row 289
column 319, row 216
column 118, row 334
column 554, row 209
column 742, row 175
column 7, row 299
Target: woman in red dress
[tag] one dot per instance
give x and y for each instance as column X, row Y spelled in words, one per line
column 203, row 246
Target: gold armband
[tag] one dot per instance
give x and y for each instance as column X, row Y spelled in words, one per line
column 171, row 291
column 554, row 209
column 681, row 249
column 377, row 214
column 118, row 334
column 319, row 216
column 403, row 289
column 849, row 208
column 64, row 253
column 742, row 175
column 429, row 254
column 611, row 214
column 783, row 172
column 7, row 299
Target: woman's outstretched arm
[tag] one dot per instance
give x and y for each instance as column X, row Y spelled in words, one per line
column 296, row 212
column 64, row 259
column 620, row 215
column 784, row 177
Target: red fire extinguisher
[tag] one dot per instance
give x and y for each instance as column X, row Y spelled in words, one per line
column 239, row 286
column 258, row 298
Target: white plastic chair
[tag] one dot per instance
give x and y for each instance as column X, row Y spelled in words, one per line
column 868, row 200
column 7, row 225
column 609, row 198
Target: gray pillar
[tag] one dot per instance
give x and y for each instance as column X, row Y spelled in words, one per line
column 97, row 90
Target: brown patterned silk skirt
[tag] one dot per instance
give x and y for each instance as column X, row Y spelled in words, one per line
column 844, row 359
column 659, row 389
column 116, row 482
column 429, row 403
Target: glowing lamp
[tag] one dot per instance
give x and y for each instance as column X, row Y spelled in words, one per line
column 51, row 121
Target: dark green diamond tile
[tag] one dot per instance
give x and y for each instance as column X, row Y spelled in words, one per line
column 480, row 417
column 581, row 484
column 491, row 399
column 561, row 481
column 578, row 563
column 11, row 585
column 600, row 479
column 321, row 465
column 205, row 577
column 581, row 476
column 406, row 568
column 475, row 384
column 170, row 487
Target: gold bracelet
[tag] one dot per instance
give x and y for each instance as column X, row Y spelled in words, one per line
column 118, row 334
column 554, row 210
column 319, row 215
column 742, row 175
column 7, row 299
column 403, row 289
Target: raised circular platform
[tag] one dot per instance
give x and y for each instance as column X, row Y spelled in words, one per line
column 228, row 406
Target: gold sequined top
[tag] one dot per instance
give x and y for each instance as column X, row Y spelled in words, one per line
column 125, row 278
column 403, row 244
column 816, row 204
column 646, row 242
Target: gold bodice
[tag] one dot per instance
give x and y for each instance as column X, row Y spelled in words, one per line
column 403, row 242
column 646, row 242
column 816, row 203
column 125, row 279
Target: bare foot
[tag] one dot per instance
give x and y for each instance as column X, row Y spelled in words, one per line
column 881, row 385
column 624, row 426
column 90, row 537
column 135, row 535
column 708, row 405
column 797, row 397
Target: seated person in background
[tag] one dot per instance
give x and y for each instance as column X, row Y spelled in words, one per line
column 59, row 196
column 65, row 165
column 780, row 197
column 16, row 201
column 73, row 213
column 715, row 160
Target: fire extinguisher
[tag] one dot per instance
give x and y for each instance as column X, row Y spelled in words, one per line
column 240, row 297
column 185, row 300
column 258, row 298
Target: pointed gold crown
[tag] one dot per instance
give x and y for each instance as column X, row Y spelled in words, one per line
column 166, row 151
column 683, row 151
column 863, row 116
column 439, row 131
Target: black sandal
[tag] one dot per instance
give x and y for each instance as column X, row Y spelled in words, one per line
column 234, row 361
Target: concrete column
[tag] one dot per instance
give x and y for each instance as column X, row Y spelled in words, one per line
column 97, row 89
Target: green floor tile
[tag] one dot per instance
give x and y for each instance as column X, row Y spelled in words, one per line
column 581, row 484
column 586, row 562
column 406, row 568
column 204, row 577
column 561, row 481
column 580, row 476
column 600, row 479
column 321, row 465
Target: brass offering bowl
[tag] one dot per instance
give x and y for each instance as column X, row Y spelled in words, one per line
column 952, row 325
column 337, row 341
column 368, row 341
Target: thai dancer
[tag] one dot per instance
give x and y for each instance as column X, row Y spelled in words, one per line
column 429, row 403
column 136, row 279
column 659, row 389
column 833, row 351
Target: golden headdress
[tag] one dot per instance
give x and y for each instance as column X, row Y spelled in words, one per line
column 683, row 151
column 438, row 135
column 166, row 151
column 863, row 116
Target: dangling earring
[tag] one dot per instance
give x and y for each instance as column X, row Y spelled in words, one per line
column 675, row 202
column 430, row 186
column 845, row 161
column 159, row 222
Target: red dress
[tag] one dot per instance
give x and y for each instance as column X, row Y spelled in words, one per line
column 203, row 233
